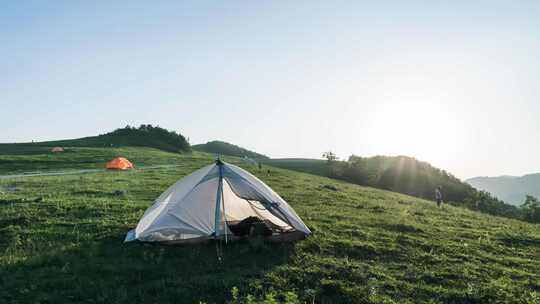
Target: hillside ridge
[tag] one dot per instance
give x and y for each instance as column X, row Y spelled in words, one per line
column 142, row 136
column 225, row 148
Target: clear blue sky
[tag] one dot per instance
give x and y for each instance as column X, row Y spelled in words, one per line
column 455, row 83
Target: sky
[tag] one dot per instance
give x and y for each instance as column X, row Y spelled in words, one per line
column 454, row 83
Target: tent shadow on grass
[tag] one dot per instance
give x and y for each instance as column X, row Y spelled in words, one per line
column 109, row 271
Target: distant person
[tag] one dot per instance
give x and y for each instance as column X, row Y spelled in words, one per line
column 438, row 196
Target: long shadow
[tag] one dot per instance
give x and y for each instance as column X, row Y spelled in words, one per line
column 107, row 271
column 520, row 241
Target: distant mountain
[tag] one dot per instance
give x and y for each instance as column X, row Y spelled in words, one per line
column 511, row 189
column 225, row 148
column 143, row 136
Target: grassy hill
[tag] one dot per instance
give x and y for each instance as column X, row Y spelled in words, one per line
column 143, row 136
column 405, row 175
column 61, row 242
column 402, row 174
column 24, row 159
column 224, row 148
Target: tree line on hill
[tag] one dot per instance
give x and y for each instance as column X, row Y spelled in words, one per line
column 145, row 135
column 154, row 136
column 224, row 148
column 410, row 176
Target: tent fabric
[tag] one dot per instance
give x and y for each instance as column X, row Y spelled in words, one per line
column 196, row 207
column 57, row 149
column 119, row 163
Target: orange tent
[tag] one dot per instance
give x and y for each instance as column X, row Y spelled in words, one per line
column 57, row 149
column 119, row 163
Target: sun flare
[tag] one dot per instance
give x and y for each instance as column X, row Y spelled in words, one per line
column 415, row 128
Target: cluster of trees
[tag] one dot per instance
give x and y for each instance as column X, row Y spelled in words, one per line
column 399, row 174
column 531, row 209
column 142, row 136
column 485, row 202
column 410, row 176
column 148, row 135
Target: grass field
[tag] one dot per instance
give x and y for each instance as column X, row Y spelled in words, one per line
column 24, row 158
column 61, row 242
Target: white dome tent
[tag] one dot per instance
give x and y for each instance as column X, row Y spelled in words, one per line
column 204, row 204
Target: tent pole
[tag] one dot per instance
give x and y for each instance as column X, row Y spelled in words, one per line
column 224, row 215
column 218, row 202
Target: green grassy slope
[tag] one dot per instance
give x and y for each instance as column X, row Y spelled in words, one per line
column 61, row 242
column 23, row 158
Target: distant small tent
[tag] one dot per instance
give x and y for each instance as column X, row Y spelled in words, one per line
column 119, row 163
column 57, row 149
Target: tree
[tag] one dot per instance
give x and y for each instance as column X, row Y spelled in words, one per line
column 330, row 156
column 531, row 209
column 331, row 163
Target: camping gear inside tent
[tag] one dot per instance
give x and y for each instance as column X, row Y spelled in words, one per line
column 57, row 149
column 119, row 163
column 214, row 202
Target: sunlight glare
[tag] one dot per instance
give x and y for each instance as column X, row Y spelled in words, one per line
column 423, row 129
